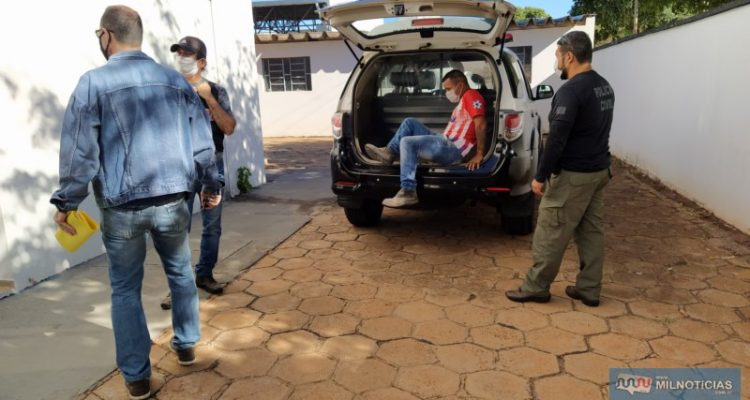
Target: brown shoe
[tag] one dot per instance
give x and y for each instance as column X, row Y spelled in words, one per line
column 209, row 284
column 382, row 154
column 572, row 292
column 185, row 357
column 139, row 390
column 404, row 198
column 519, row 296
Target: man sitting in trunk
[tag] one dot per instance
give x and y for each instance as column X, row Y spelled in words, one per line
column 414, row 141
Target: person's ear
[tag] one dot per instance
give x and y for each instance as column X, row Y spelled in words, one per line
column 569, row 57
column 202, row 63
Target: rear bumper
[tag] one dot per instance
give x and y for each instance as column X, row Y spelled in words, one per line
column 353, row 186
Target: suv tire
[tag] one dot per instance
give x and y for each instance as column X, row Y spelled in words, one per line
column 517, row 214
column 519, row 226
column 368, row 214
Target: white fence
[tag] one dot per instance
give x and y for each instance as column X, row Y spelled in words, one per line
column 680, row 110
column 47, row 45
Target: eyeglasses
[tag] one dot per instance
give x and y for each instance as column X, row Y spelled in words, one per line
column 99, row 32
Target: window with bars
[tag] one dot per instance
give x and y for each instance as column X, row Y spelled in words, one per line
column 287, row 74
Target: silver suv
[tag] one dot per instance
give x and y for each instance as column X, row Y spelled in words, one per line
column 399, row 76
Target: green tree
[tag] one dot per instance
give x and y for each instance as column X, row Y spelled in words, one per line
column 530, row 12
column 617, row 18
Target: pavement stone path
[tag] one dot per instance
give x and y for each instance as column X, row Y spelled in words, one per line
column 414, row 308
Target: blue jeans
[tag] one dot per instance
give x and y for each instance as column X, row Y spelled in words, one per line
column 124, row 234
column 211, row 228
column 414, row 141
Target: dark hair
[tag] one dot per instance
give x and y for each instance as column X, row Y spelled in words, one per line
column 124, row 23
column 578, row 43
column 456, row 76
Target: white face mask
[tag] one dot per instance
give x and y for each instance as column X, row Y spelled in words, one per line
column 452, row 96
column 188, row 66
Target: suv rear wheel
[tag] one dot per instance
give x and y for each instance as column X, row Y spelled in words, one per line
column 517, row 214
column 518, row 225
column 368, row 214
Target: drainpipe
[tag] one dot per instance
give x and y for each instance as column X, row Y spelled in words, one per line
column 220, row 78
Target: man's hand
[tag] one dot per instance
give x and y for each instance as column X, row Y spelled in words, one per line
column 210, row 200
column 61, row 219
column 475, row 161
column 204, row 90
column 537, row 187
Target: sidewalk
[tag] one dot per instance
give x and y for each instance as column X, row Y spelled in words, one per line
column 56, row 338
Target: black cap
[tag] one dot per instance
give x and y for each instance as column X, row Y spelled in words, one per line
column 191, row 44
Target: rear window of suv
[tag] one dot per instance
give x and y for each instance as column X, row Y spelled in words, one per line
column 422, row 74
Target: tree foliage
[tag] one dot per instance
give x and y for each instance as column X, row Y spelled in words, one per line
column 614, row 18
column 530, row 12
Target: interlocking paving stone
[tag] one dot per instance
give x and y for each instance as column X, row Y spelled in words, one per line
column 527, row 362
column 414, row 308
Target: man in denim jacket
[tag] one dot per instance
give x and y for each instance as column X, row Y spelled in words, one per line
column 139, row 133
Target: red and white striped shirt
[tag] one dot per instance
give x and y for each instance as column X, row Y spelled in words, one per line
column 460, row 129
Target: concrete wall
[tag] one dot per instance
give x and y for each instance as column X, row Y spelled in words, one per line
column 305, row 113
column 47, row 46
column 679, row 111
column 543, row 44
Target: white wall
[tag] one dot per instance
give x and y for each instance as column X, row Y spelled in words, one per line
column 680, row 110
column 47, row 46
column 305, row 113
column 543, row 42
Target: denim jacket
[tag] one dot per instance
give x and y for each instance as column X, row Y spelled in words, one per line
column 137, row 130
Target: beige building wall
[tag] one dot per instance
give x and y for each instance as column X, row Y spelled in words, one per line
column 47, row 46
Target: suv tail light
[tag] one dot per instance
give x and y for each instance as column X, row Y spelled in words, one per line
column 426, row 21
column 336, row 123
column 513, row 127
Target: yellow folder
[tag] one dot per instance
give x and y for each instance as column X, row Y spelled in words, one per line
column 85, row 227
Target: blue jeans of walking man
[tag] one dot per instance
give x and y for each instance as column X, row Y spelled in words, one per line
column 211, row 235
column 124, row 235
column 414, row 141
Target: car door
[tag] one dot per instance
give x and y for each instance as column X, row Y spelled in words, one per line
column 417, row 24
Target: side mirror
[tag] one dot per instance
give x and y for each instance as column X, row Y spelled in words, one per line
column 544, row 92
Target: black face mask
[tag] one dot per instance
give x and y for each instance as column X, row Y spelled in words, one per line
column 105, row 50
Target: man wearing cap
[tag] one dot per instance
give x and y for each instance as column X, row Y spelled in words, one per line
column 190, row 54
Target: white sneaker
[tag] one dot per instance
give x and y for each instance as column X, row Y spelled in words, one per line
column 403, row 198
column 382, row 154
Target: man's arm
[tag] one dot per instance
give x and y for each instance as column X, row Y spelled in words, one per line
column 219, row 108
column 79, row 154
column 562, row 116
column 480, row 127
column 203, row 149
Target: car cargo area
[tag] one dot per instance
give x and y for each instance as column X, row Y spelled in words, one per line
column 397, row 86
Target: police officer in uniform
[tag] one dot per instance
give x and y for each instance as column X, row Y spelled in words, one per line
column 572, row 175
